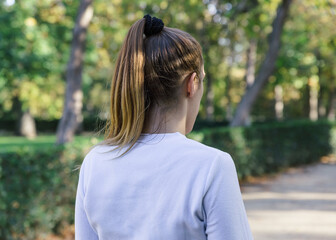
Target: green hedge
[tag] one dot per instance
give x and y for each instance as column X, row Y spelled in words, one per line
column 37, row 191
column 38, row 186
column 91, row 124
column 264, row 149
column 50, row 126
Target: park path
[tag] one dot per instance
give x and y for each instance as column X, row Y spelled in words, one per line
column 299, row 204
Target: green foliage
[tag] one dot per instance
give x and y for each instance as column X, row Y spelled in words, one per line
column 35, row 37
column 34, row 41
column 15, row 143
column 37, row 190
column 27, row 178
column 263, row 149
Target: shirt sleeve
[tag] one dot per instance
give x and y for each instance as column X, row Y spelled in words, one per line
column 225, row 215
column 83, row 229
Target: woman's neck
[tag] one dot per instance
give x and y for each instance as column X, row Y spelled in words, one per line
column 159, row 121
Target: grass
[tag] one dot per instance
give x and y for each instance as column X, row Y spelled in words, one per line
column 15, row 143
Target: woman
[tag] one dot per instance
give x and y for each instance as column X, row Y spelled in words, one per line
column 146, row 180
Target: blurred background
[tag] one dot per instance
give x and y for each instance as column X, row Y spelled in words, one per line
column 269, row 93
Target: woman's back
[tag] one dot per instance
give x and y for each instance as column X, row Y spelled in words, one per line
column 166, row 187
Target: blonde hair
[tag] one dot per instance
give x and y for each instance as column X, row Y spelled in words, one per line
column 148, row 72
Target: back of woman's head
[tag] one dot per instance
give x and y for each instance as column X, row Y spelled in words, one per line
column 149, row 72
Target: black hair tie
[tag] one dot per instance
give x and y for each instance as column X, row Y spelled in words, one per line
column 153, row 25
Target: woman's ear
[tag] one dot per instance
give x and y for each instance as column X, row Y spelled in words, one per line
column 191, row 85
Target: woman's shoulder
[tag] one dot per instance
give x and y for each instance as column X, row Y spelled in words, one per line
column 198, row 153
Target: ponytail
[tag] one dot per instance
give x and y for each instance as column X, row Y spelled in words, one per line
column 127, row 109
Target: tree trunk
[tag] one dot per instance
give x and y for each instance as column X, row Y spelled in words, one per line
column 313, row 99
column 250, row 70
column 209, row 103
column 331, row 105
column 251, row 63
column 321, row 88
column 72, row 113
column 25, row 123
column 321, row 106
column 227, row 90
column 230, row 63
column 267, row 67
column 229, row 114
column 279, row 105
column 27, row 126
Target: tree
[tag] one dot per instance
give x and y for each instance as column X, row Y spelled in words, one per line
column 31, row 52
column 72, row 113
column 34, row 35
column 306, row 61
column 266, row 69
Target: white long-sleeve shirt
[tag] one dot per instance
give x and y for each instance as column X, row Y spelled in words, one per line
column 167, row 187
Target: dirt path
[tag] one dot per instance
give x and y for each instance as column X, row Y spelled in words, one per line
column 299, row 204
